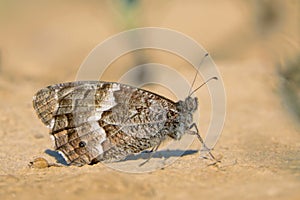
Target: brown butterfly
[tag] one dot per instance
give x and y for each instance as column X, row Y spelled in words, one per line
column 95, row 121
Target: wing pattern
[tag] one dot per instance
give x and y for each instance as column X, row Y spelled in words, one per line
column 93, row 121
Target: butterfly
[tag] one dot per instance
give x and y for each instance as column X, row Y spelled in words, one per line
column 96, row 121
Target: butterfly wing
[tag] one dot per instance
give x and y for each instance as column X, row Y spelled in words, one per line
column 95, row 121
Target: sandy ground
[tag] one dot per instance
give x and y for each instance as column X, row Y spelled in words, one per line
column 260, row 143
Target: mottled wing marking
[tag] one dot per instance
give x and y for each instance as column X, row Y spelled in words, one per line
column 136, row 123
column 99, row 121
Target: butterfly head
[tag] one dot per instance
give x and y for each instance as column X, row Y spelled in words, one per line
column 186, row 109
column 189, row 105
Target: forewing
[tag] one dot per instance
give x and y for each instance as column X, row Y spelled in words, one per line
column 137, row 122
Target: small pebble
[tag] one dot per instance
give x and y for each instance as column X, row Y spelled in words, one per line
column 39, row 163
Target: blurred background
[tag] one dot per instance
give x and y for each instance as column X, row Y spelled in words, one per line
column 46, row 41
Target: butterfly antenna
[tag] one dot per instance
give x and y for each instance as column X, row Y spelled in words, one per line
column 189, row 94
column 212, row 78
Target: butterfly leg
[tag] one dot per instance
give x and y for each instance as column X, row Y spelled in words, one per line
column 152, row 152
column 200, row 138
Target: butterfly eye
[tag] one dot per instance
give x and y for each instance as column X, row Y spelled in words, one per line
column 82, row 144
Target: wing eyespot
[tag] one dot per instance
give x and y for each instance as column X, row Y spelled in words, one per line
column 82, row 144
